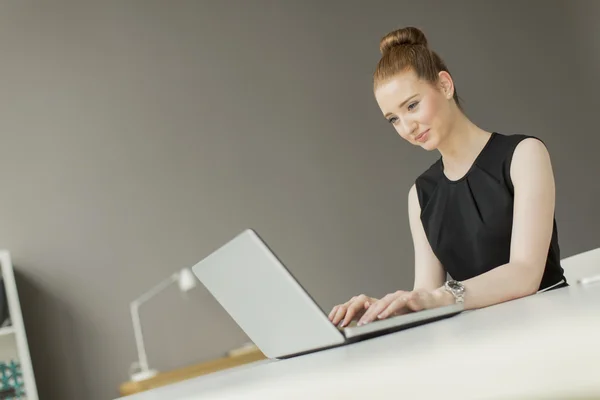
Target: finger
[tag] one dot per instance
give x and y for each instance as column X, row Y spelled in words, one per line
column 355, row 299
column 375, row 309
column 395, row 308
column 339, row 314
column 335, row 310
column 370, row 301
column 380, row 305
column 332, row 312
column 354, row 310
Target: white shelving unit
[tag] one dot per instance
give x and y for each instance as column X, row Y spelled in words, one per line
column 7, row 330
column 13, row 339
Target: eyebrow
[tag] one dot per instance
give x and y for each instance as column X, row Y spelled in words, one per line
column 402, row 104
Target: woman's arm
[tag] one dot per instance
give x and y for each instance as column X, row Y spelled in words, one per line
column 429, row 273
column 533, row 219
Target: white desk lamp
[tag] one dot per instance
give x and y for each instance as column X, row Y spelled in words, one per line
column 186, row 281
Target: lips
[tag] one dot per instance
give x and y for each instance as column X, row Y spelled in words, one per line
column 421, row 135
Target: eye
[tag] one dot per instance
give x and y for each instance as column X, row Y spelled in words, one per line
column 393, row 120
column 412, row 106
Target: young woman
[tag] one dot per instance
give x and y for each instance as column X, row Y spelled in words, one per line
column 483, row 213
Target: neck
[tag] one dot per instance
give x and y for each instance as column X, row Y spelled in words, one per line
column 462, row 144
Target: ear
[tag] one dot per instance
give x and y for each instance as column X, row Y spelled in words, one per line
column 446, row 84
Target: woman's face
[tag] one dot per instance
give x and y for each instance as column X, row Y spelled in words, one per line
column 419, row 111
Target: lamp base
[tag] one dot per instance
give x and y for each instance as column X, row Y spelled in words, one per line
column 143, row 375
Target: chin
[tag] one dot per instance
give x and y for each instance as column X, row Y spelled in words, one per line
column 427, row 147
column 430, row 145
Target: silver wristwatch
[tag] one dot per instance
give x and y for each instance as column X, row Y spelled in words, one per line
column 457, row 290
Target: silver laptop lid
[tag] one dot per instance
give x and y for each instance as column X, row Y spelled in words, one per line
column 264, row 299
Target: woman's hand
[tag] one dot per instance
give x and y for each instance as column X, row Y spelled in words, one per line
column 354, row 308
column 402, row 302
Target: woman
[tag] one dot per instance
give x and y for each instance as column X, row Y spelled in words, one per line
column 482, row 213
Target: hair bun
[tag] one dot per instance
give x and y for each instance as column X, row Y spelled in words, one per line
column 402, row 37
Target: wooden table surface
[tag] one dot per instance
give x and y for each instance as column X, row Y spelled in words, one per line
column 181, row 374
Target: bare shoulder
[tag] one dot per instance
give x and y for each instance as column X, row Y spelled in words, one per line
column 531, row 160
column 530, row 150
column 412, row 192
column 413, row 201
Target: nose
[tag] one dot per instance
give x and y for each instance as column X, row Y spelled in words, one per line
column 408, row 126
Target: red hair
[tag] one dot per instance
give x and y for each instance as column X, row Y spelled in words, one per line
column 407, row 49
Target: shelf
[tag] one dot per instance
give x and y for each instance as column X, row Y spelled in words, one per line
column 7, row 330
column 13, row 339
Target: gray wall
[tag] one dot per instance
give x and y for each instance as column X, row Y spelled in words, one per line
column 139, row 136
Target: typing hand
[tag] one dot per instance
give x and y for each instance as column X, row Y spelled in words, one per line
column 402, row 302
column 354, row 308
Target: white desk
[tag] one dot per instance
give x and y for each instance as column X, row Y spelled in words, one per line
column 543, row 346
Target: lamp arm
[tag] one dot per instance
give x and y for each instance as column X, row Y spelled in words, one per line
column 156, row 289
column 135, row 317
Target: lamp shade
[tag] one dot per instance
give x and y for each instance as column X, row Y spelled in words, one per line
column 187, row 280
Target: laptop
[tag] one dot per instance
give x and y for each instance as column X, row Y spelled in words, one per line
column 273, row 309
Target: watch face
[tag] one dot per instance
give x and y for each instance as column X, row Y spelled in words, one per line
column 456, row 286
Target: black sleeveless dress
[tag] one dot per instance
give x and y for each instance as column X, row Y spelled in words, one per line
column 468, row 222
